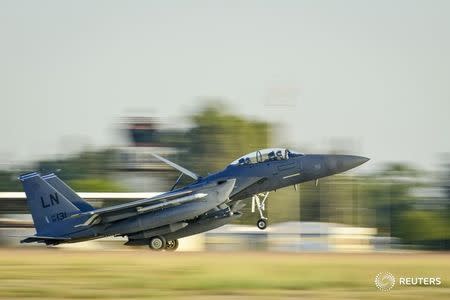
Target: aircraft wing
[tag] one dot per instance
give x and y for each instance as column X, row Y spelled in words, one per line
column 178, row 167
column 139, row 206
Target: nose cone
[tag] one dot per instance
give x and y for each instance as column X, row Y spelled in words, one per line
column 341, row 163
column 352, row 161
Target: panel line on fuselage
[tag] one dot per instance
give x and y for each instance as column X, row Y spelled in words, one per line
column 292, row 175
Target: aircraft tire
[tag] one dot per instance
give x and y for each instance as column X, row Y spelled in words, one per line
column 261, row 224
column 172, row 245
column 157, row 243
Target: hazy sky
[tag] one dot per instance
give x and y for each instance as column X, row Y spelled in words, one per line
column 375, row 73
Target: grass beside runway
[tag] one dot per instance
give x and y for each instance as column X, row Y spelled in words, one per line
column 141, row 274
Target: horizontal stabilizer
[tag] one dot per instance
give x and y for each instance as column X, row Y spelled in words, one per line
column 43, row 239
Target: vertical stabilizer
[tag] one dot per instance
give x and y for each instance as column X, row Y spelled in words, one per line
column 49, row 208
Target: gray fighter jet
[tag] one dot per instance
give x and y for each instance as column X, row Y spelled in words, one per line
column 61, row 216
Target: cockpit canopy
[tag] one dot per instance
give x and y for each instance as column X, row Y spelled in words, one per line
column 264, row 155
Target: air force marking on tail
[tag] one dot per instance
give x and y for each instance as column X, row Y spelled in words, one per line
column 53, row 200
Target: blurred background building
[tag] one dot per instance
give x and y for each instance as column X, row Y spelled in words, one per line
column 134, row 165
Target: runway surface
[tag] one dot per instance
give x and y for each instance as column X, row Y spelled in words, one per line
column 142, row 274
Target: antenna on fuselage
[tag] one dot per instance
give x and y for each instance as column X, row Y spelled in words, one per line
column 176, row 182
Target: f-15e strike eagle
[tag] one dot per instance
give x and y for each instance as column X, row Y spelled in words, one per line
column 61, row 216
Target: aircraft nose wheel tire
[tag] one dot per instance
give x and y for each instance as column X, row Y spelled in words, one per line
column 157, row 243
column 261, row 224
column 172, row 245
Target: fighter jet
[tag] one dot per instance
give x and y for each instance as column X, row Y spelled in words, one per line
column 61, row 216
column 260, row 172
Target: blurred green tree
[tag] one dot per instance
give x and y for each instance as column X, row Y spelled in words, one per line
column 9, row 182
column 96, row 185
column 88, row 172
column 88, row 164
column 389, row 194
column 218, row 137
column 418, row 226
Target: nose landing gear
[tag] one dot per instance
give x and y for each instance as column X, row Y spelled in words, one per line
column 261, row 224
column 261, row 205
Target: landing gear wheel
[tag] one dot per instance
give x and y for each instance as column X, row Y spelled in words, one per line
column 157, row 243
column 262, row 224
column 172, row 245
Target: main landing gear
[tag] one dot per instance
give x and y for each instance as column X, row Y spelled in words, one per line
column 158, row 243
column 260, row 204
column 172, row 245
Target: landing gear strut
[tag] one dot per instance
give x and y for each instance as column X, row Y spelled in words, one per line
column 261, row 205
column 157, row 243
